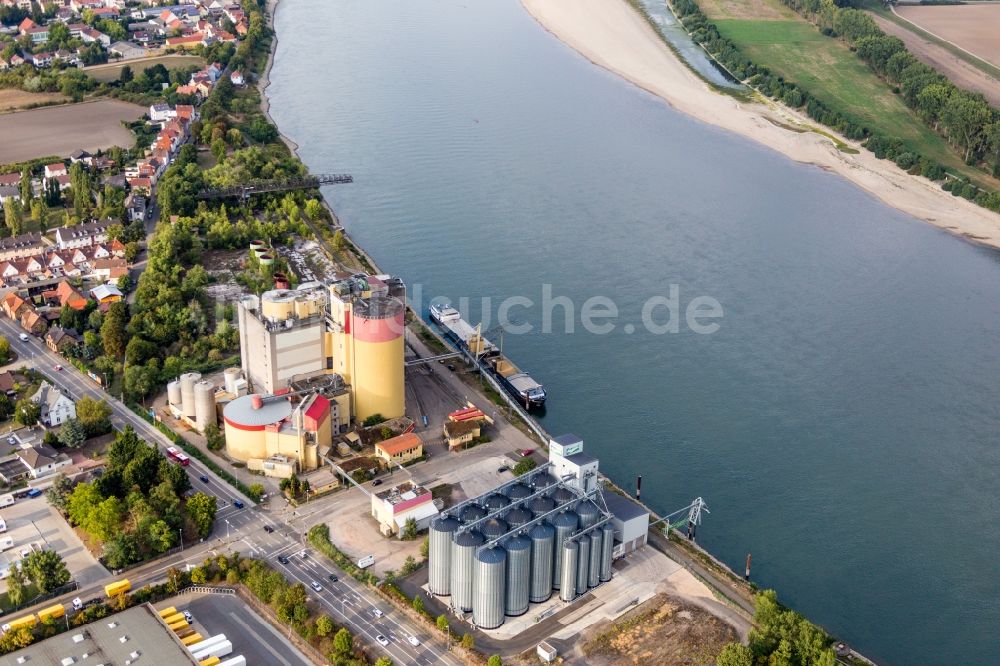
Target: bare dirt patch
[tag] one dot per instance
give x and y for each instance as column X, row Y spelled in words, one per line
column 112, row 71
column 62, row 129
column 662, row 631
column 974, row 28
column 12, row 99
column 961, row 73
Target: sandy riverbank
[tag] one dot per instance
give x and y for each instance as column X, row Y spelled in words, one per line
column 611, row 34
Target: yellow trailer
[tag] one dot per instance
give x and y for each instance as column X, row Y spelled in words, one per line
column 167, row 612
column 28, row 621
column 211, row 661
column 53, row 612
column 173, row 618
column 177, row 626
column 118, row 587
column 192, row 639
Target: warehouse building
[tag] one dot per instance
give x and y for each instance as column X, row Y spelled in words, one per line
column 134, row 636
column 393, row 507
column 549, row 530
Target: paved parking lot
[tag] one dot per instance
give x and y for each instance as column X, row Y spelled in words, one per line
column 33, row 521
column 251, row 635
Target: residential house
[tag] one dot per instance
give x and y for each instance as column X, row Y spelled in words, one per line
column 81, row 155
column 237, row 78
column 13, row 305
column 142, row 187
column 57, row 407
column 16, row 60
column 117, row 248
column 161, row 112
column 60, row 339
column 32, row 322
column 9, row 192
column 106, row 293
column 18, row 247
column 7, row 383
column 56, row 169
column 110, row 269
column 186, row 42
column 10, row 179
column 70, row 297
column 43, row 59
column 135, row 207
column 88, row 34
column 400, row 449
column 42, row 460
column 83, row 235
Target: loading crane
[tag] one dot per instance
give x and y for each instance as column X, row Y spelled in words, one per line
column 691, row 515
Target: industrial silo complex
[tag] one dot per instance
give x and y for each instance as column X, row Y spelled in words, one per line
column 550, row 529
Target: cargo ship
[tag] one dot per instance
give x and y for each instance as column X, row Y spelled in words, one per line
column 520, row 385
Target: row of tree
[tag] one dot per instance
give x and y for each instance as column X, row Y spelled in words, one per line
column 780, row 637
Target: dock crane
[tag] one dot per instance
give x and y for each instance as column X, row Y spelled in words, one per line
column 691, row 515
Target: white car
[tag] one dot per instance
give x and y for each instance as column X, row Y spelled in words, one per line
column 413, row 641
column 382, row 640
column 302, row 553
column 316, row 586
column 24, row 337
column 78, row 604
column 376, row 612
column 188, row 617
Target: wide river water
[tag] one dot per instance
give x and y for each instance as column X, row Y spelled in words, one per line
column 843, row 424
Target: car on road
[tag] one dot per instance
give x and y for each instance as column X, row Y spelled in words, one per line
column 268, row 529
column 203, row 478
column 78, row 604
column 188, row 617
column 238, row 504
column 376, row 612
column 24, row 337
column 57, row 367
column 333, row 578
column 413, row 641
column 316, row 586
column 34, row 492
column 282, row 559
column 377, row 482
column 302, row 553
column 501, row 470
column 382, row 640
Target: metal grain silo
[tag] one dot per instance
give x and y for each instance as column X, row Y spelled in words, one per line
column 470, row 513
column 565, row 524
column 568, row 557
column 607, row 548
column 589, row 514
column 518, row 491
column 188, row 380
column 489, row 588
column 496, row 501
column 541, row 506
column 492, row 528
column 542, row 537
column 517, row 517
column 174, row 393
column 463, row 554
column 439, row 555
column 583, row 564
column 204, row 404
column 594, row 572
column 562, row 495
column 542, row 480
column 518, row 575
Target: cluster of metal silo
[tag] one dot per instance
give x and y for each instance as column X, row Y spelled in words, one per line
column 495, row 555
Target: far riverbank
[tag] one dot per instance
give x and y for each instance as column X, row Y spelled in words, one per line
column 614, row 36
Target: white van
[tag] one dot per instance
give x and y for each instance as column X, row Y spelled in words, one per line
column 6, row 500
column 3, row 525
column 24, row 337
column 6, row 543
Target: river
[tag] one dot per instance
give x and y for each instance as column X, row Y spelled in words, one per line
column 843, row 422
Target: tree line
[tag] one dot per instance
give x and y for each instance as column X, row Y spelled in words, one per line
column 965, row 119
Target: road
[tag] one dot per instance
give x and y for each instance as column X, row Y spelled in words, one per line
column 348, row 601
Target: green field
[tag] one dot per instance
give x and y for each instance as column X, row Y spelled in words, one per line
column 112, row 71
column 826, row 67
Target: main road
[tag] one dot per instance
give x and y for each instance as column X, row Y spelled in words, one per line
column 347, row 601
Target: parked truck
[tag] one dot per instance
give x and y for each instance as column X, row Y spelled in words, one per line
column 6, row 500
column 6, row 543
column 220, row 650
column 118, row 587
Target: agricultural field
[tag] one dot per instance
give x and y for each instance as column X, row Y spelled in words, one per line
column 112, row 71
column 60, row 130
column 975, row 28
column 12, row 99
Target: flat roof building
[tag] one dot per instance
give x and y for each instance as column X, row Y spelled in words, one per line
column 135, row 636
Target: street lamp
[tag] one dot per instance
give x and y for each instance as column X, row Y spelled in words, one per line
column 180, row 533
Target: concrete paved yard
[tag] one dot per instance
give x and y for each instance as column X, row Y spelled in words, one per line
column 31, row 521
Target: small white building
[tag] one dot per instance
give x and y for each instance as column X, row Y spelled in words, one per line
column 42, row 460
column 57, row 407
column 159, row 113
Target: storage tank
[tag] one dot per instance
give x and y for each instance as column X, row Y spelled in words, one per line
column 583, row 564
column 489, row 588
column 589, row 514
column 174, row 393
column 594, row 572
column 568, row 557
column 541, row 506
column 265, row 259
column 565, row 525
column 518, row 575
column 470, row 513
column 607, row 548
column 204, row 404
column 188, row 381
column 542, row 480
column 230, row 378
column 492, row 528
column 496, row 501
column 542, row 537
column 377, row 329
column 257, row 246
column 562, row 495
column 517, row 517
column 439, row 555
column 518, row 491
column 246, row 421
column 463, row 553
